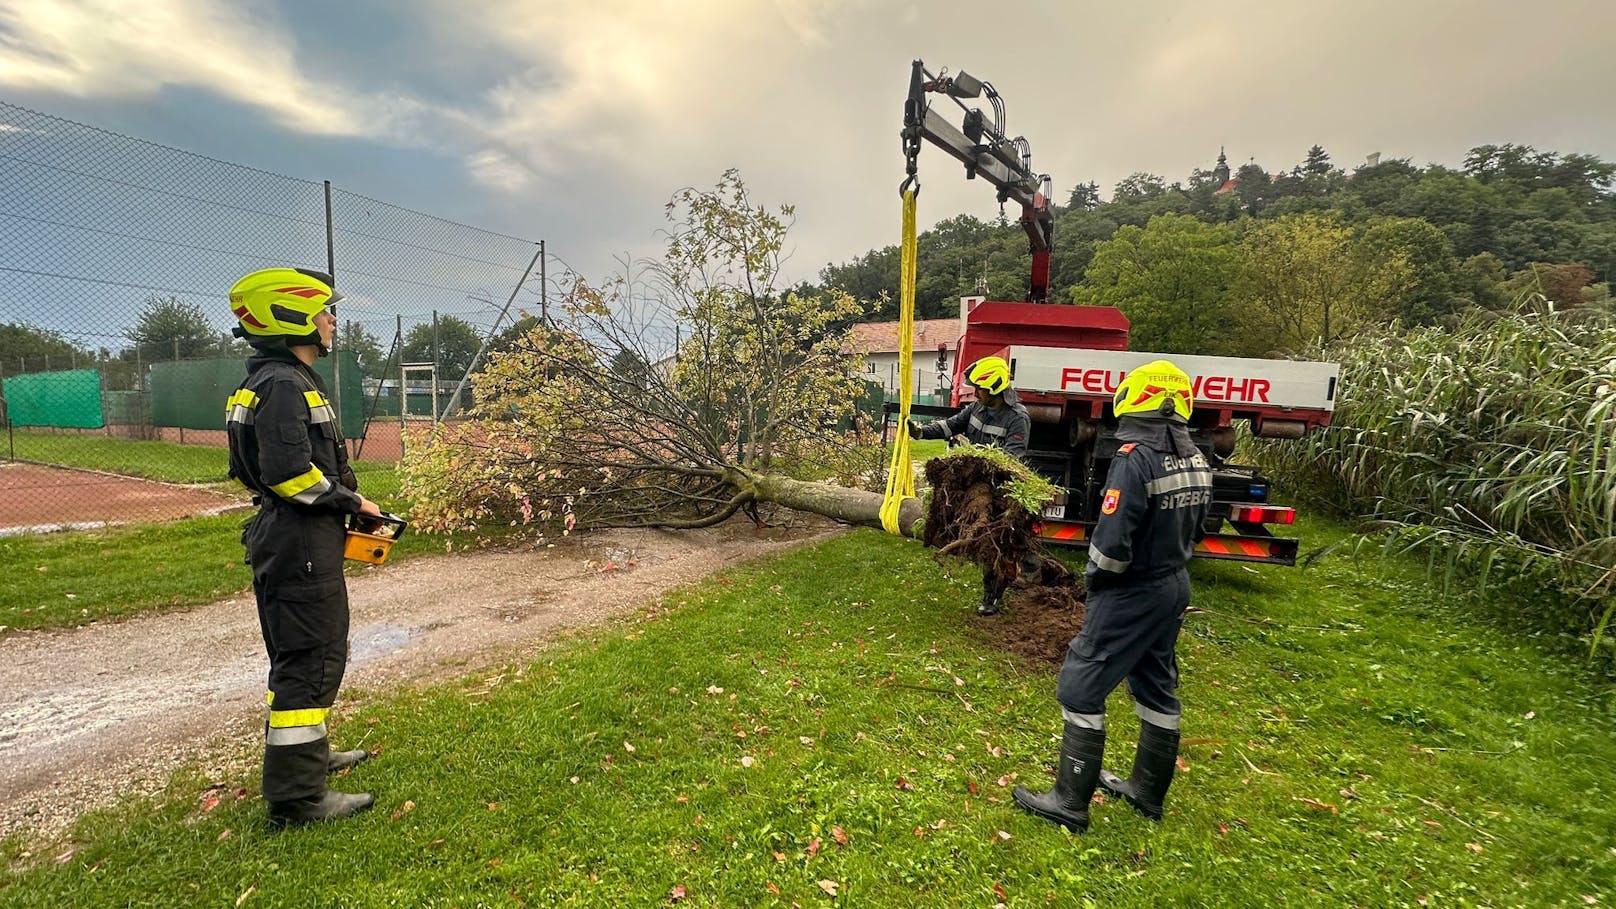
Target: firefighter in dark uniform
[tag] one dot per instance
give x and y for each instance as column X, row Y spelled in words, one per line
column 285, row 447
column 1157, row 495
column 997, row 418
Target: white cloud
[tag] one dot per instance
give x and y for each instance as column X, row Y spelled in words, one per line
column 107, row 48
column 603, row 107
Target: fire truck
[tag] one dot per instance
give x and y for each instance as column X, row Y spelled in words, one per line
column 1067, row 361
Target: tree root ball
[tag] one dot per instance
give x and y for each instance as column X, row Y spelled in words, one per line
column 970, row 516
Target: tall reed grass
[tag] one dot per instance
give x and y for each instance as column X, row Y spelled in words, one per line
column 1487, row 444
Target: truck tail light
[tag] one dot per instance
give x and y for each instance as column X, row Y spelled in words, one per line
column 1261, row 514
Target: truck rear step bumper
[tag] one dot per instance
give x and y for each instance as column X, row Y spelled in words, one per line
column 1230, row 546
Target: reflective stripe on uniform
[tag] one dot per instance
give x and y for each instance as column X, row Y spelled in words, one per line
column 319, row 408
column 295, row 727
column 978, row 425
column 1177, row 481
column 311, row 716
column 1156, row 717
column 305, row 488
column 1106, row 563
column 1085, row 720
column 294, row 735
column 239, row 408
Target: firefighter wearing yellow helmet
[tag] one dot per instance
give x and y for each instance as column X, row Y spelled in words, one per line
column 286, row 448
column 1153, row 506
column 997, row 418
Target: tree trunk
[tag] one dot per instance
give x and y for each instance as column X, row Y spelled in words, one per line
column 854, row 506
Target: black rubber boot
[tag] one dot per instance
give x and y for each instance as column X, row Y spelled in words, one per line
column 342, row 760
column 1079, row 769
column 1153, row 765
column 329, row 806
column 992, row 594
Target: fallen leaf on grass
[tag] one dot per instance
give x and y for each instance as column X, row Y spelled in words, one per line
column 1320, row 806
column 1183, row 765
column 829, row 887
column 407, row 807
column 748, row 761
column 970, row 786
column 1004, row 836
column 714, row 689
column 839, row 835
column 683, row 799
column 676, row 894
column 998, row 890
column 769, row 886
column 1006, row 780
column 224, row 835
column 779, row 857
column 245, row 893
column 813, row 848
column 920, row 831
column 1474, row 847
column 628, row 747
column 905, row 784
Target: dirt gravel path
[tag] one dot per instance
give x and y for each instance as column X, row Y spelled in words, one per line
column 92, row 715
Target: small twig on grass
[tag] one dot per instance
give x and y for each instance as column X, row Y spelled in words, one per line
column 1269, row 622
column 1510, row 750
column 916, row 688
column 1253, row 767
column 1450, row 812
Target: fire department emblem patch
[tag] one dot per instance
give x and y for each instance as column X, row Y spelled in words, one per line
column 1112, row 497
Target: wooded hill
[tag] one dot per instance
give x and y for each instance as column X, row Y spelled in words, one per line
column 1244, row 261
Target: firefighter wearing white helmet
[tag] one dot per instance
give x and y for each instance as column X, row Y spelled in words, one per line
column 286, row 448
column 997, row 418
column 1156, row 498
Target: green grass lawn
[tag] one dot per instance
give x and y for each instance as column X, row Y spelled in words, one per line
column 60, row 580
column 166, row 461
column 838, row 719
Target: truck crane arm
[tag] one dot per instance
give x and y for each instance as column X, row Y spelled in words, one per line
column 986, row 151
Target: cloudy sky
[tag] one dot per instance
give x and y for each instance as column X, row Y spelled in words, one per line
column 573, row 121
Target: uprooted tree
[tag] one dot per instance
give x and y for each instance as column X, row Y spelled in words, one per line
column 686, row 391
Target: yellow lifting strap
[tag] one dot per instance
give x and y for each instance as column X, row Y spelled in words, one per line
column 901, row 471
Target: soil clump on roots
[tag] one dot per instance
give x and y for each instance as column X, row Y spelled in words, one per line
column 970, row 515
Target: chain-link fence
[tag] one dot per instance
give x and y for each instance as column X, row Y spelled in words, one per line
column 116, row 256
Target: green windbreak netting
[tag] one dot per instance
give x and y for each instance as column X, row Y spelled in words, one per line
column 70, row 399
column 190, row 394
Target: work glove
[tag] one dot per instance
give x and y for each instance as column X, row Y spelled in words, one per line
column 917, row 429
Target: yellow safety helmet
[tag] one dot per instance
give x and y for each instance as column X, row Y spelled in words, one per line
column 281, row 301
column 1157, row 388
column 991, row 374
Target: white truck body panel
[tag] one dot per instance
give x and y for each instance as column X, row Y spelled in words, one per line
column 1239, row 382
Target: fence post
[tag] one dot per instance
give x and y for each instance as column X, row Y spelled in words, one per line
column 403, row 398
column 331, row 269
column 455, row 398
column 5, row 415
